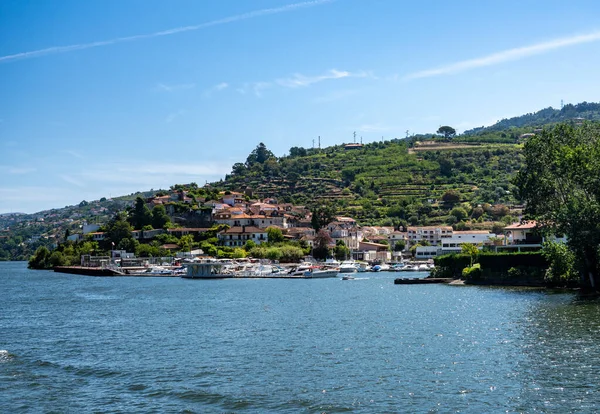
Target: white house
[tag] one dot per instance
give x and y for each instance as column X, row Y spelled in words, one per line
column 238, row 236
column 431, row 234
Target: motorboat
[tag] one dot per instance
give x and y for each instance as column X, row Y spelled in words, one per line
column 348, row 266
column 317, row 273
column 348, row 277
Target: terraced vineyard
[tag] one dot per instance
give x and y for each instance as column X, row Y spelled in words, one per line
column 380, row 178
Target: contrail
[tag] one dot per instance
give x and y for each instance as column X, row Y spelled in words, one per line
column 250, row 15
column 506, row 56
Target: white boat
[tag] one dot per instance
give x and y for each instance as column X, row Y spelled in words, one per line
column 423, row 268
column 302, row 269
column 205, row 270
column 153, row 271
column 348, row 266
column 317, row 273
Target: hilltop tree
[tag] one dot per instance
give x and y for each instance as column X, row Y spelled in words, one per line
column 447, row 131
column 560, row 185
column 259, row 155
column 297, row 152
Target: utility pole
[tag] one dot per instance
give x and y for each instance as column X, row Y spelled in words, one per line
column 355, row 137
column 407, row 133
column 319, row 141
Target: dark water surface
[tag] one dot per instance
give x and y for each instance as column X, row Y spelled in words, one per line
column 73, row 343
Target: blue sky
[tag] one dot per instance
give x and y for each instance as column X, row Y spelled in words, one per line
column 105, row 98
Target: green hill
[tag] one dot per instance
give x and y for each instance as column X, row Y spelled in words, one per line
column 465, row 181
column 547, row 116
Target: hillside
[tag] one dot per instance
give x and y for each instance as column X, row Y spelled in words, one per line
column 544, row 117
column 384, row 182
column 422, row 180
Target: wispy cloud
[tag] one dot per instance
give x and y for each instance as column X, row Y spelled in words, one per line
column 231, row 19
column 73, row 153
column 216, row 88
column 506, row 56
column 72, row 180
column 298, row 80
column 177, row 87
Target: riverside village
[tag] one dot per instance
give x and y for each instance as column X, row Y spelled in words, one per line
column 239, row 221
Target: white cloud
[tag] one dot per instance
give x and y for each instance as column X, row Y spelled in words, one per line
column 72, row 180
column 216, row 88
column 298, row 80
column 231, row 19
column 73, row 153
column 506, row 56
column 176, row 87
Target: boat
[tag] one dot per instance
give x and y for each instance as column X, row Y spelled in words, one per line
column 205, row 270
column 376, row 268
column 153, row 271
column 302, row 269
column 423, row 268
column 363, row 267
column 348, row 266
column 317, row 273
column 397, row 267
column 348, row 277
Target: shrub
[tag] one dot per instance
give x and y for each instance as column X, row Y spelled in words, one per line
column 472, row 273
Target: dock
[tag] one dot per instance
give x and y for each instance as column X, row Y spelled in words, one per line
column 88, row 271
column 421, row 281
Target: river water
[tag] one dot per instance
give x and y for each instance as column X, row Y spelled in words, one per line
column 76, row 344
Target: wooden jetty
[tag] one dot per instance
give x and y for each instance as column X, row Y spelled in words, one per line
column 421, row 281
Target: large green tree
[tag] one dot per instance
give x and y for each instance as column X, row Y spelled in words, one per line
column 447, row 131
column 560, row 184
column 259, row 155
column 140, row 215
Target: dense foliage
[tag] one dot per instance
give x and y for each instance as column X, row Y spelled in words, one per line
column 560, row 183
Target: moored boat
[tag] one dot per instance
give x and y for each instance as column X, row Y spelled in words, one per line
column 348, row 266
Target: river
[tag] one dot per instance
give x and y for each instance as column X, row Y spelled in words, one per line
column 72, row 343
